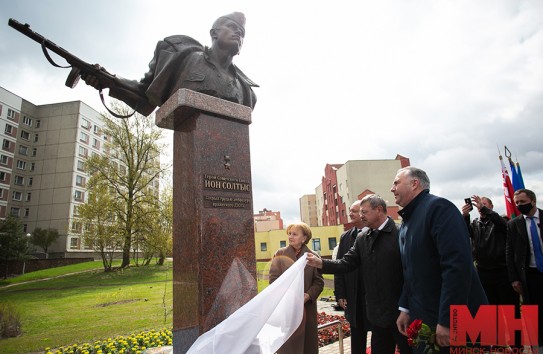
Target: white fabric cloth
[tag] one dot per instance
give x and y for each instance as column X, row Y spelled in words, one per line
column 263, row 324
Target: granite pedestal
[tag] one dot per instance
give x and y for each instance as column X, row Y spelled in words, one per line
column 214, row 266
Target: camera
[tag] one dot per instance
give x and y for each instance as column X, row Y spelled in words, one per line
column 468, row 201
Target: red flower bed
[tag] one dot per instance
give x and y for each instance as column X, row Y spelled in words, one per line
column 331, row 334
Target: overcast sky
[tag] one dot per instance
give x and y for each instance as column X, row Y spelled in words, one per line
column 444, row 83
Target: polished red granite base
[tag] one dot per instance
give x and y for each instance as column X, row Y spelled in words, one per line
column 214, row 251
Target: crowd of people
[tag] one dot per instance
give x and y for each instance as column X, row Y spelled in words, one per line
column 387, row 276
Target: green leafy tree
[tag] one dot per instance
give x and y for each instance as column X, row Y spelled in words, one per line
column 101, row 230
column 13, row 241
column 44, row 238
column 157, row 239
column 131, row 169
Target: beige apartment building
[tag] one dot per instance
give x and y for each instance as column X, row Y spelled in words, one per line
column 343, row 184
column 308, row 210
column 42, row 178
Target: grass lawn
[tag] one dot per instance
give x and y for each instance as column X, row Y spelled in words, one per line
column 89, row 306
column 92, row 305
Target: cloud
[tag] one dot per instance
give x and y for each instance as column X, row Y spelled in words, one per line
column 443, row 83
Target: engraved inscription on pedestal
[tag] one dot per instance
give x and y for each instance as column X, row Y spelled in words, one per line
column 226, row 184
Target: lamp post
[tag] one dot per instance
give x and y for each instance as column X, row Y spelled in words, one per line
column 24, row 261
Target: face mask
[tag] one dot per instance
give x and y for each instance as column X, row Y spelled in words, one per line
column 525, row 208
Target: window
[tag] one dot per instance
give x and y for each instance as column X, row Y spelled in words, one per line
column 80, row 165
column 2, row 176
column 76, row 227
column 4, row 159
column 74, row 243
column 15, row 211
column 282, row 243
column 21, row 165
column 80, row 181
column 30, row 180
column 25, row 135
column 85, row 123
column 76, row 210
column 28, row 196
column 316, row 244
column 32, row 166
column 16, row 195
column 6, row 144
column 96, row 143
column 19, row 180
column 84, row 137
column 38, row 123
column 79, row 196
column 27, row 121
column 332, row 243
column 83, row 151
column 263, row 246
column 27, row 212
column 8, row 129
column 23, row 150
column 11, row 114
column 25, row 228
column 97, row 130
column 36, row 137
column 34, row 151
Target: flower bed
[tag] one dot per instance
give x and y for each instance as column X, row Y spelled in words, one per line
column 331, row 334
column 134, row 343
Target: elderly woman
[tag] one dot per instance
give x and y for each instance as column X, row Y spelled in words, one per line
column 304, row 340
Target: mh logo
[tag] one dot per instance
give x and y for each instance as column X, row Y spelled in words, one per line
column 493, row 325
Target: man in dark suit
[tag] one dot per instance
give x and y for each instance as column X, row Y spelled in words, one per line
column 436, row 257
column 523, row 252
column 377, row 256
column 348, row 287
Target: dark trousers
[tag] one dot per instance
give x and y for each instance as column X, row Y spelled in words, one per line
column 534, row 280
column 384, row 341
column 497, row 287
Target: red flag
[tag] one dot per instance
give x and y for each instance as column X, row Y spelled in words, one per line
column 510, row 206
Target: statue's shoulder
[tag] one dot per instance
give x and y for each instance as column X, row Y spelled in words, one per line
column 179, row 43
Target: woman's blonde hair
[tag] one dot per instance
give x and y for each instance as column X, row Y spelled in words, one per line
column 305, row 230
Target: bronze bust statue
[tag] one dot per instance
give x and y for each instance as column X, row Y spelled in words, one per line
column 182, row 62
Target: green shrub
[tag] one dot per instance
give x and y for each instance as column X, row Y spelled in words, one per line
column 10, row 321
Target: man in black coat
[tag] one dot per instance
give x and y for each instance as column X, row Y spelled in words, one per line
column 348, row 287
column 488, row 237
column 377, row 255
column 524, row 255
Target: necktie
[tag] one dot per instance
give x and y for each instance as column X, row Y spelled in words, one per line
column 538, row 254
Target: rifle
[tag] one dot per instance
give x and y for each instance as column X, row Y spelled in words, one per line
column 79, row 67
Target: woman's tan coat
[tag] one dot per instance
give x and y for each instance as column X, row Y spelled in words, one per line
column 304, row 340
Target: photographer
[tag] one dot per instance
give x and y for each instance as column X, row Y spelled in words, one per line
column 488, row 234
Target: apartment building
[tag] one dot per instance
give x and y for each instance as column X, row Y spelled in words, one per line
column 266, row 220
column 42, row 177
column 343, row 184
column 308, row 210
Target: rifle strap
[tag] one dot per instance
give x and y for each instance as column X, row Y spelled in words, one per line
column 49, row 59
column 111, row 112
column 46, row 53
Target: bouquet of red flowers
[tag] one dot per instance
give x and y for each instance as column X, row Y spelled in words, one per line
column 419, row 333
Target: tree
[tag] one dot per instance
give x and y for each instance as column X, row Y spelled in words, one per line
column 131, row 169
column 157, row 241
column 44, row 238
column 13, row 242
column 101, row 231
